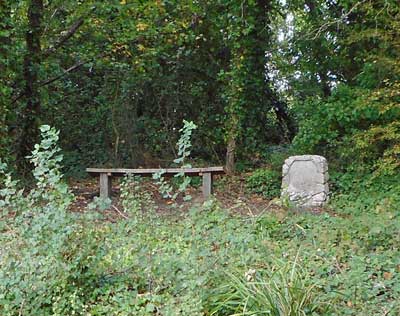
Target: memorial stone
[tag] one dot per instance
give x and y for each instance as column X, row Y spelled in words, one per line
column 305, row 180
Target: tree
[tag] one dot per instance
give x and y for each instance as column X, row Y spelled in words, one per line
column 32, row 61
column 249, row 94
column 33, row 64
column 341, row 64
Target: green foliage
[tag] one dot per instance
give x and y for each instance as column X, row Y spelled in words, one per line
column 164, row 187
column 184, row 143
column 350, row 128
column 100, row 204
column 8, row 63
column 45, row 253
column 366, row 191
column 207, row 262
column 134, row 198
column 266, row 182
column 12, row 198
column 128, row 83
column 283, row 291
column 46, row 159
column 346, row 102
column 120, row 86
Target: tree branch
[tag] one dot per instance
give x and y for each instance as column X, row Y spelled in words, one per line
column 72, row 68
column 339, row 20
column 65, row 36
column 51, row 17
column 48, row 81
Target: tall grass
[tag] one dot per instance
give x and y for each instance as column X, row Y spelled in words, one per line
column 282, row 290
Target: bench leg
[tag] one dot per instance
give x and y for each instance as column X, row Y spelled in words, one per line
column 105, row 186
column 207, row 184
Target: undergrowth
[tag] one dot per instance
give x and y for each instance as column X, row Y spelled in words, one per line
column 345, row 261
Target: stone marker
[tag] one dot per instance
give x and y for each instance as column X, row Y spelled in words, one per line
column 305, row 180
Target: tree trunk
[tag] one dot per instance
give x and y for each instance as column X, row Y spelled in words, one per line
column 247, row 56
column 32, row 59
column 230, row 155
column 5, row 49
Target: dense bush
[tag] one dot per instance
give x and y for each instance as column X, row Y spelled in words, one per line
column 353, row 127
column 265, row 182
column 48, row 258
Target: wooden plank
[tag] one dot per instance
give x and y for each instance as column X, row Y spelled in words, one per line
column 207, row 184
column 105, row 185
column 149, row 172
column 153, row 170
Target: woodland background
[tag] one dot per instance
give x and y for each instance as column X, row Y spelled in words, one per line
column 257, row 77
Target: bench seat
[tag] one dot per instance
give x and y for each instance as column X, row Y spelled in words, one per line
column 106, row 175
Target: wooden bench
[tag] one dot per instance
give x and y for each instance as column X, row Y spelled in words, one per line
column 106, row 176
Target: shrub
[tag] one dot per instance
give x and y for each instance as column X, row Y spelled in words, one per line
column 172, row 189
column 48, row 258
column 266, row 182
column 354, row 126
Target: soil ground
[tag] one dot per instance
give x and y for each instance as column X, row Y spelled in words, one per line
column 229, row 192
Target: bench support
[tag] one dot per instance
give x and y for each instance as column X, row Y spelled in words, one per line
column 106, row 175
column 207, row 184
column 105, row 185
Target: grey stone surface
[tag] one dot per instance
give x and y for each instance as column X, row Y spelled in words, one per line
column 305, row 180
